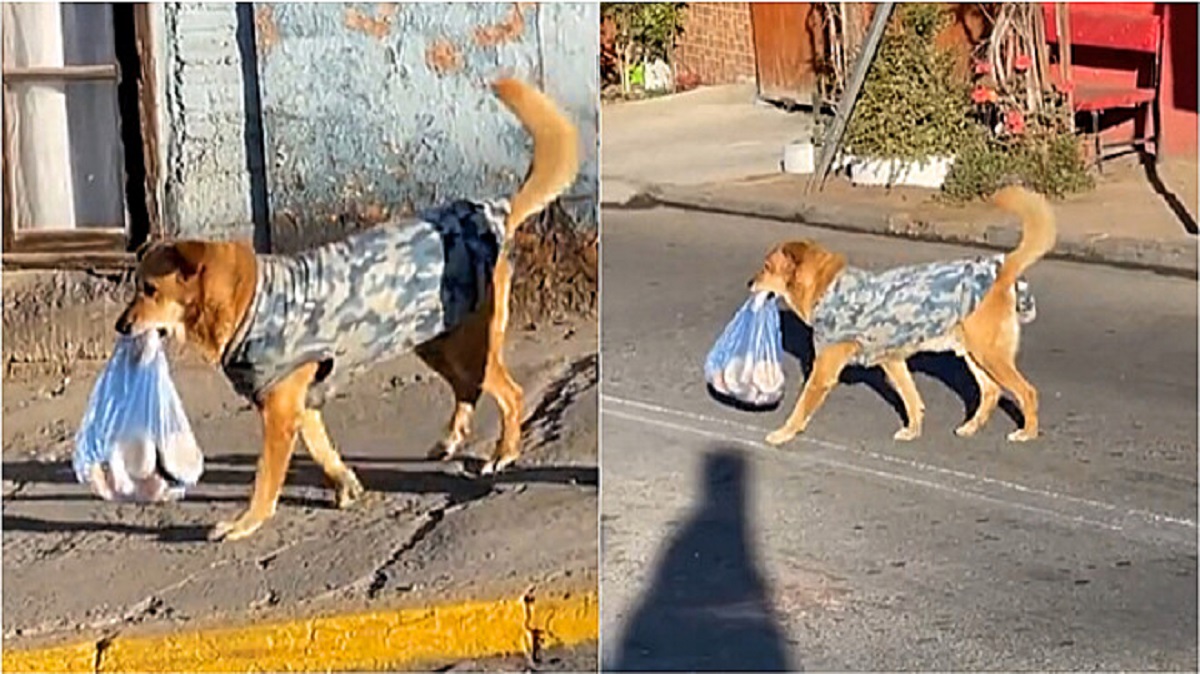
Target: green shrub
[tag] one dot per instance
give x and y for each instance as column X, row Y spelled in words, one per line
column 1050, row 162
column 651, row 28
column 912, row 105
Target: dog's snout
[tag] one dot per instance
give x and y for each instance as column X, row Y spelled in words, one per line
column 123, row 325
column 750, row 284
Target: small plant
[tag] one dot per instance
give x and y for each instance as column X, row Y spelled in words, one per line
column 1021, row 130
column 639, row 34
column 912, row 106
column 1050, row 163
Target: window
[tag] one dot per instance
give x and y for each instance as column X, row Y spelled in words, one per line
column 77, row 99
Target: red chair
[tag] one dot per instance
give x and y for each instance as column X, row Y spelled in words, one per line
column 1117, row 31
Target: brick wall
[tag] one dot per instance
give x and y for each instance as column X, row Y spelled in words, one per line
column 717, row 44
column 203, row 121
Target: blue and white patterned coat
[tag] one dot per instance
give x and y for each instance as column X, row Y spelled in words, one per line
column 375, row 295
column 900, row 311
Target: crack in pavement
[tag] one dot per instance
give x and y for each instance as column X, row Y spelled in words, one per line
column 575, row 378
column 379, row 576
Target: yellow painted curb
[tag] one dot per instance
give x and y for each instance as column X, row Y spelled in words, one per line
column 372, row 641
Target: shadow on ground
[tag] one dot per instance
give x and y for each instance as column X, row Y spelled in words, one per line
column 1188, row 220
column 707, row 607
column 947, row 368
column 459, row 479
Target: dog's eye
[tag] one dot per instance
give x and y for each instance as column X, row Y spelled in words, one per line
column 148, row 289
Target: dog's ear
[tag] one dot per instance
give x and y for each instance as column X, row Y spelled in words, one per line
column 798, row 253
column 140, row 253
column 189, row 257
column 814, row 271
column 826, row 265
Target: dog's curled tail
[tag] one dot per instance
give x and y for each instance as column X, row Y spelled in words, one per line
column 555, row 149
column 1038, row 232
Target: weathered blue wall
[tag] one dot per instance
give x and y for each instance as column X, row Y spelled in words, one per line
column 367, row 110
column 206, row 185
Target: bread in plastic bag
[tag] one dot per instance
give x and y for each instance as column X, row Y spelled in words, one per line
column 746, row 362
column 135, row 442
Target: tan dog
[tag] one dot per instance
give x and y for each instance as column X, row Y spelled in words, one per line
column 439, row 286
column 971, row 307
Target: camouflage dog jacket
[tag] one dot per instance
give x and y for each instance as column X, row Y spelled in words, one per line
column 895, row 311
column 372, row 296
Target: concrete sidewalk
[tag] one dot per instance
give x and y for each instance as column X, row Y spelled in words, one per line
column 707, row 135
column 716, row 150
column 433, row 566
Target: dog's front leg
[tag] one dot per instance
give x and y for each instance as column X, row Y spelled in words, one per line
column 281, row 409
column 914, row 408
column 316, row 439
column 826, row 369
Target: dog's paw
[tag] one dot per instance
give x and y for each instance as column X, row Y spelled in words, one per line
column 235, row 530
column 907, row 434
column 349, row 490
column 967, row 430
column 779, row 436
column 444, row 450
column 496, row 465
column 1022, row 435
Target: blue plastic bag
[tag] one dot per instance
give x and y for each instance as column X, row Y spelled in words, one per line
column 135, row 442
column 746, row 362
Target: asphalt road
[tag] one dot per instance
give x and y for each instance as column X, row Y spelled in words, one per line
column 847, row 550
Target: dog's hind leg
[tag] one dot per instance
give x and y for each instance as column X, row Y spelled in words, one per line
column 497, row 381
column 995, row 350
column 460, row 357
column 914, row 408
column 320, row 447
column 989, row 397
column 510, row 399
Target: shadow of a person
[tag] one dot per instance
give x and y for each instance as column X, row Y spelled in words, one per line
column 707, row 607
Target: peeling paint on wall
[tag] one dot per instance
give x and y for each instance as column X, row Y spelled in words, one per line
column 507, row 30
column 412, row 120
column 443, row 57
column 368, row 110
column 266, row 32
column 377, row 26
column 206, row 189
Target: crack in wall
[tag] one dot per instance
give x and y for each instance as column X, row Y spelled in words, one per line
column 533, row 636
column 102, row 645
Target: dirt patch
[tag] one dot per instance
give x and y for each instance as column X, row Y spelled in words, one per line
column 52, row 319
column 556, row 268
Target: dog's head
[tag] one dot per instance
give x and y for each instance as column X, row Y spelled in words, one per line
column 800, row 272
column 168, row 289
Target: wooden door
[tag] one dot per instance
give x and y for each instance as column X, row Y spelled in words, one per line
column 786, row 39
